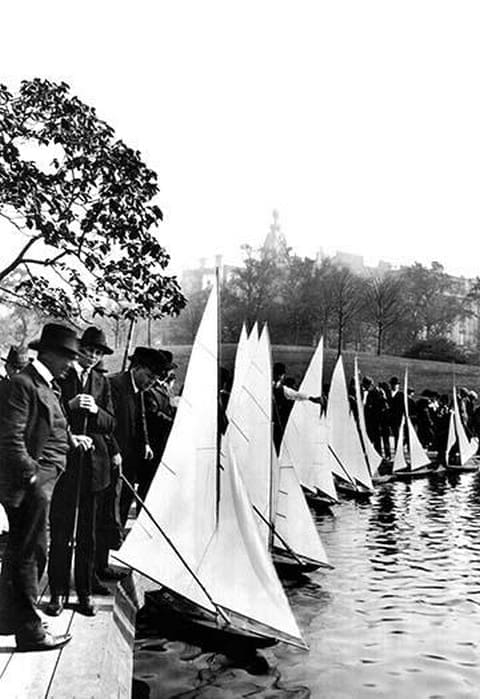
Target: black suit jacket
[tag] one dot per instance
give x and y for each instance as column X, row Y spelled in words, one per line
column 26, row 416
column 128, row 434
column 100, row 426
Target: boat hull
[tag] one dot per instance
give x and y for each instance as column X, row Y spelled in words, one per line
column 352, row 490
column 318, row 501
column 197, row 624
column 409, row 474
column 203, row 626
column 468, row 466
column 287, row 566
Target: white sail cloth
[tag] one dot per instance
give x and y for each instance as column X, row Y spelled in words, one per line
column 304, row 443
column 374, row 459
column 202, row 506
column 349, row 460
column 249, row 432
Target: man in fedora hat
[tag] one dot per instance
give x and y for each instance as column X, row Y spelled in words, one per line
column 160, row 412
column 88, row 404
column 128, row 388
column 34, row 441
column 16, row 360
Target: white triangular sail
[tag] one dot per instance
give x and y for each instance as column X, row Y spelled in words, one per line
column 399, row 462
column 466, row 447
column 344, row 440
column 304, row 443
column 249, row 432
column 247, row 345
column 452, row 437
column 374, row 459
column 206, row 513
column 418, row 455
column 292, row 517
column 240, row 367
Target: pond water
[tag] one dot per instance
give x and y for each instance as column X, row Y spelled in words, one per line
column 399, row 616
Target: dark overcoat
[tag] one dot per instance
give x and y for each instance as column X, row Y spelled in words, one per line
column 99, row 425
column 26, row 418
column 128, row 423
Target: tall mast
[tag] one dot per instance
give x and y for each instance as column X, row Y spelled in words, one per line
column 219, row 364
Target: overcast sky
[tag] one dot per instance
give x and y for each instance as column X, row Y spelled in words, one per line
column 358, row 120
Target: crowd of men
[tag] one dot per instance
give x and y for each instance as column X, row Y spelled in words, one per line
column 384, row 408
column 74, row 443
column 76, row 446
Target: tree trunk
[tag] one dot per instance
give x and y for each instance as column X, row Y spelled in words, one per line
column 379, row 339
column 128, row 344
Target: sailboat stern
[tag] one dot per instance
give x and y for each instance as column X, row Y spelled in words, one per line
column 294, row 566
column 224, row 629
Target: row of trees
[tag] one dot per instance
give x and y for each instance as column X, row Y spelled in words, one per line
column 81, row 206
column 407, row 310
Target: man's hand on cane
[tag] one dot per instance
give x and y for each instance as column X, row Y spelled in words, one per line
column 117, row 464
column 82, row 441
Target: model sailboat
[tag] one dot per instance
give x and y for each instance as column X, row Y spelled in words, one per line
column 246, row 347
column 285, row 522
column 304, row 444
column 418, row 463
column 460, row 458
column 197, row 536
column 348, row 460
column 374, row 459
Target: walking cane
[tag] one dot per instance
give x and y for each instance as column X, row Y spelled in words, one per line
column 72, row 544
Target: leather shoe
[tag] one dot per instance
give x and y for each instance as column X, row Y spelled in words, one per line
column 45, row 642
column 110, row 574
column 86, row 606
column 55, row 606
column 98, row 588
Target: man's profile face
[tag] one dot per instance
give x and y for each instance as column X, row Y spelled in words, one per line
column 57, row 362
column 144, row 377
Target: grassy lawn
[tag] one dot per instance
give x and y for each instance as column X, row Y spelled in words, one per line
column 437, row 376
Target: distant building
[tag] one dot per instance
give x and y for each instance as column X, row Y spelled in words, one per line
column 355, row 263
column 275, row 245
column 464, row 332
column 203, row 276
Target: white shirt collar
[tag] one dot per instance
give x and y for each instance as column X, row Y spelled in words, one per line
column 43, row 370
column 134, row 385
column 80, row 369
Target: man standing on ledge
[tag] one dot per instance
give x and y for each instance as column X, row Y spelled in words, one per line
column 34, row 440
column 131, row 432
column 88, row 404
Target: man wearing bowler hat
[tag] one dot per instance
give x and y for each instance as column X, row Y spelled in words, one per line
column 88, row 404
column 34, row 441
column 131, row 433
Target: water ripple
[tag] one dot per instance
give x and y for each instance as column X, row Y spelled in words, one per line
column 399, row 615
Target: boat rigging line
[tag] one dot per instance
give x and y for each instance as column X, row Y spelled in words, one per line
column 219, row 609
